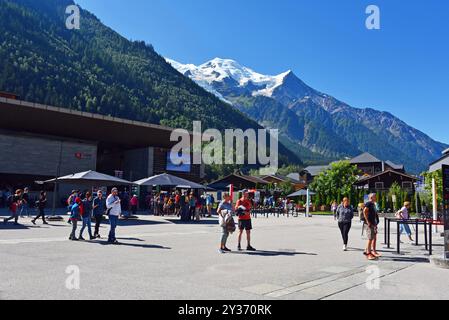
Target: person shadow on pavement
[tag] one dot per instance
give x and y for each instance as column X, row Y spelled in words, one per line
column 265, row 253
column 127, row 244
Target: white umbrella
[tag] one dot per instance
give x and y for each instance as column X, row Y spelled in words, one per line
column 168, row 180
column 90, row 178
column 301, row 193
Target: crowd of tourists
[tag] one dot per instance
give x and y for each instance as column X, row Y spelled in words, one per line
column 187, row 206
column 85, row 208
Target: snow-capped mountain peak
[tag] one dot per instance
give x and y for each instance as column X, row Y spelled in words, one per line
column 311, row 119
column 215, row 71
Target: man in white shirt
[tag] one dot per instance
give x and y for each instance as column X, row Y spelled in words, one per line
column 114, row 210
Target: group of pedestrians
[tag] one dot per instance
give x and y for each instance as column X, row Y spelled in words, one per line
column 226, row 212
column 187, row 206
column 344, row 214
column 20, row 204
column 85, row 209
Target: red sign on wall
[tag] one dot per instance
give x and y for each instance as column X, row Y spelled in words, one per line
column 81, row 156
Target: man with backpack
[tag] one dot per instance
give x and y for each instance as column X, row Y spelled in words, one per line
column 243, row 208
column 371, row 220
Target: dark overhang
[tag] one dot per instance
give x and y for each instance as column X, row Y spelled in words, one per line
column 22, row 116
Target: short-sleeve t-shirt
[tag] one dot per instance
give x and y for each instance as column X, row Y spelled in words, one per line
column 373, row 218
column 224, row 205
column 405, row 213
column 247, row 205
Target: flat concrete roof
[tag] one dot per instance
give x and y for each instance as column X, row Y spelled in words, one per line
column 22, row 116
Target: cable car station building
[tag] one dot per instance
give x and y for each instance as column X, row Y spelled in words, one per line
column 39, row 142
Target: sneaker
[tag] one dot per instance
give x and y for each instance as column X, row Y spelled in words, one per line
column 92, row 238
column 81, row 239
column 345, row 248
column 45, row 222
column 34, row 222
column 227, row 250
column 239, row 248
column 221, row 251
column 250, row 249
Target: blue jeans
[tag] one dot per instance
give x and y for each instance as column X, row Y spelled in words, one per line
column 24, row 207
column 405, row 228
column 86, row 223
column 113, row 221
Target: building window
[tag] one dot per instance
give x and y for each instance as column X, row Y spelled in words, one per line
column 379, row 185
column 407, row 185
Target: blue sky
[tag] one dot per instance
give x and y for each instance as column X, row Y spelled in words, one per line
column 402, row 68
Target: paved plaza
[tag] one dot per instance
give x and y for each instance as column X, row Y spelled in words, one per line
column 161, row 258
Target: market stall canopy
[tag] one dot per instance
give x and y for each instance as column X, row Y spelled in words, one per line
column 301, row 193
column 91, row 178
column 168, row 180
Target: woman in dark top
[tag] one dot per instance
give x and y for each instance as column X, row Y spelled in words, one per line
column 344, row 214
column 41, row 204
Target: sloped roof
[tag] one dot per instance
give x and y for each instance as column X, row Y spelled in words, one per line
column 316, row 170
column 252, row 179
column 222, row 182
column 395, row 166
column 282, row 178
column 363, row 179
column 364, row 158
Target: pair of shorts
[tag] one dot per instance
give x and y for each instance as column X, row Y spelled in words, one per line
column 245, row 225
column 371, row 232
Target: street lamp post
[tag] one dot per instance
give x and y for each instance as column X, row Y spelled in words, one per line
column 416, row 198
